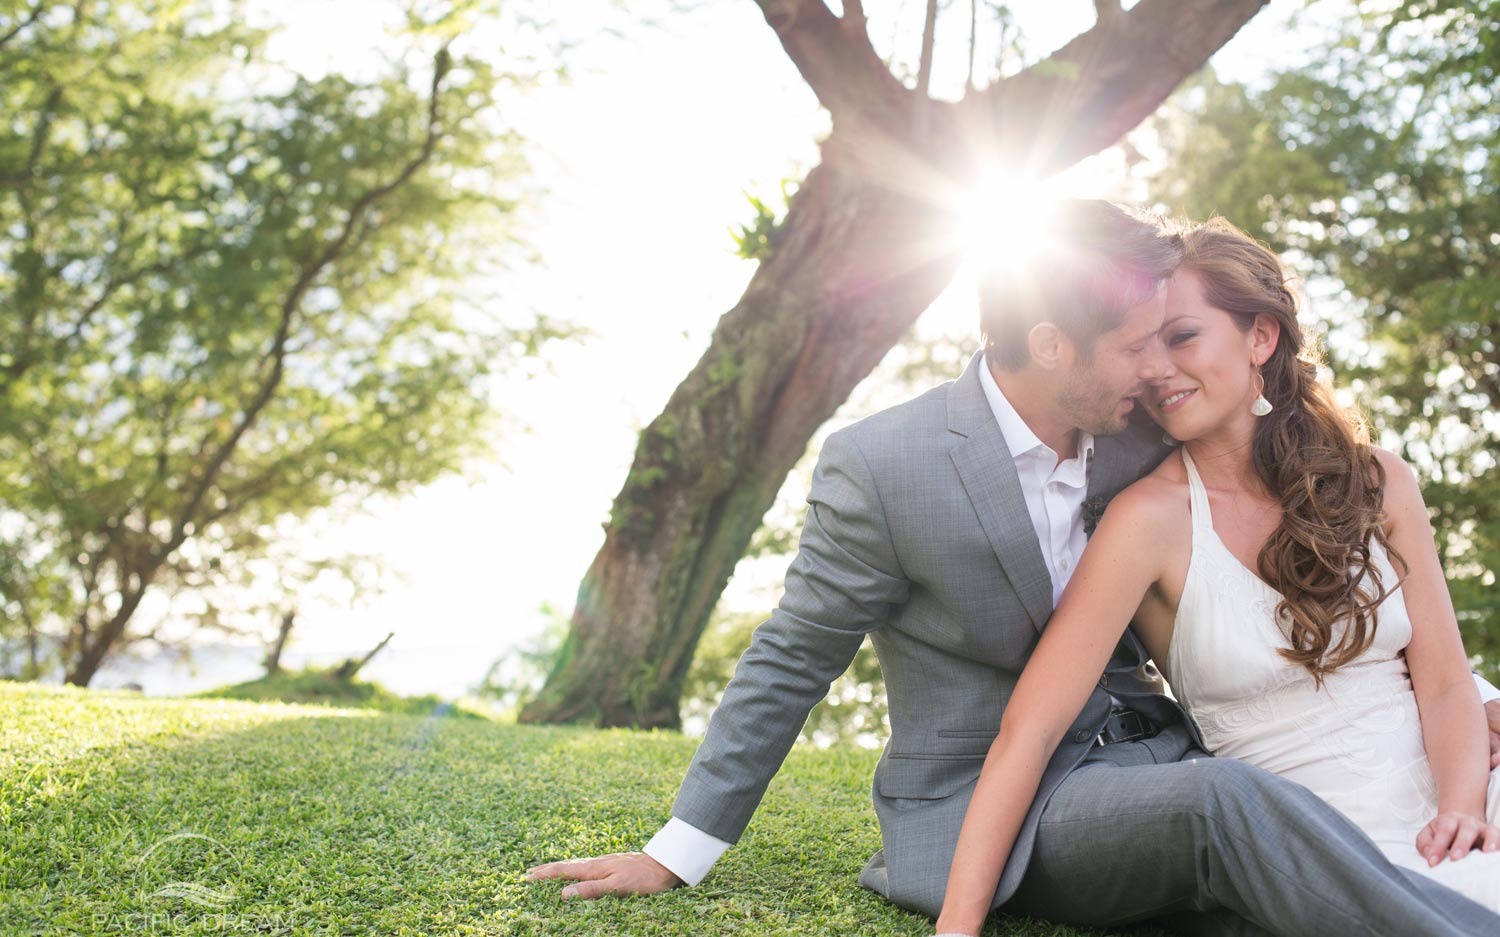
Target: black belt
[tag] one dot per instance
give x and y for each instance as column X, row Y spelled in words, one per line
column 1124, row 725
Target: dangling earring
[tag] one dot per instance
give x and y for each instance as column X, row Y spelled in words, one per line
column 1261, row 406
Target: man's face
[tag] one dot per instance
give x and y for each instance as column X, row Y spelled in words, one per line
column 1099, row 389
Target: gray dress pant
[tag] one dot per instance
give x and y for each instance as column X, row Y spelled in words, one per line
column 1156, row 829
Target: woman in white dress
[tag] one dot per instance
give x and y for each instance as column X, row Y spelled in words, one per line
column 1287, row 584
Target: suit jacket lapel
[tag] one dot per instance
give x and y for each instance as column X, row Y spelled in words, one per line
column 989, row 476
column 1112, row 469
column 1121, row 459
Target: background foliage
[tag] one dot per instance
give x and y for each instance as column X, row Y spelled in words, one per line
column 1372, row 170
column 231, row 298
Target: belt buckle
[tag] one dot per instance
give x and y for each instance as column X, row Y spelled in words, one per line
column 1132, row 727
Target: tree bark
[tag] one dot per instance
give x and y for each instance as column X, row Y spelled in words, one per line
column 91, row 652
column 273, row 656
column 839, row 289
column 33, row 668
column 862, row 252
column 929, row 39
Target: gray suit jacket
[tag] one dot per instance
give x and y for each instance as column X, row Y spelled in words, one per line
column 917, row 534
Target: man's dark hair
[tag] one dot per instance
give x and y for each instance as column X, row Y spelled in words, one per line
column 1098, row 260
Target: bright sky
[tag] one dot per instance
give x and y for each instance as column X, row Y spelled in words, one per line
column 646, row 155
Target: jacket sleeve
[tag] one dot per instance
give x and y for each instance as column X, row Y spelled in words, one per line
column 843, row 584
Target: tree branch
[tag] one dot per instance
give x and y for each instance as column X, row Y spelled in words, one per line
column 33, row 667
column 350, row 667
column 973, row 43
column 24, row 359
column 36, row 14
column 837, row 62
column 1093, row 90
column 144, row 567
column 42, row 132
column 242, row 496
column 115, row 284
column 32, row 270
column 442, row 63
column 924, row 64
column 273, row 655
column 76, row 641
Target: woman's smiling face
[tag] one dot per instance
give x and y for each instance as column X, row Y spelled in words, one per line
column 1212, row 378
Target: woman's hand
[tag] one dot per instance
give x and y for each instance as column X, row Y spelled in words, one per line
column 1454, row 834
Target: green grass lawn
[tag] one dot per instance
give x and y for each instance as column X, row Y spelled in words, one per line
column 116, row 812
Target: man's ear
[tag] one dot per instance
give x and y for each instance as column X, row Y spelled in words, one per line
column 1050, row 349
column 1265, row 332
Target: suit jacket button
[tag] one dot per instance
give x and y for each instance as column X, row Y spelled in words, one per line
column 1081, row 736
column 1104, row 680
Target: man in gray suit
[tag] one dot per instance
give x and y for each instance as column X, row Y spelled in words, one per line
column 945, row 529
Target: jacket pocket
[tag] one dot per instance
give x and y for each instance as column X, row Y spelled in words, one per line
column 927, row 777
column 987, row 735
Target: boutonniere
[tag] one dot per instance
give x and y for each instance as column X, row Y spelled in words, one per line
column 1093, row 509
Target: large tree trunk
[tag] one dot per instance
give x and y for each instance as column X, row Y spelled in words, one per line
column 861, row 254
column 284, row 631
column 92, row 649
column 839, row 290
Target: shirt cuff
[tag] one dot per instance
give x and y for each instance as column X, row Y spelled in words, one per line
column 1487, row 693
column 686, row 851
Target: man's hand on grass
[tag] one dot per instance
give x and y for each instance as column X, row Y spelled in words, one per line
column 623, row 873
column 1492, row 716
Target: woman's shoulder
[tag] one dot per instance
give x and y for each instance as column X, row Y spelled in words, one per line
column 1395, row 467
column 1158, row 501
column 1400, row 495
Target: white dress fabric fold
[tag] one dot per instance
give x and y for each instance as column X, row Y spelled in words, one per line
column 1356, row 741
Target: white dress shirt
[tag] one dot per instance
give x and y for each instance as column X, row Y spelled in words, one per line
column 1054, row 493
column 1054, row 490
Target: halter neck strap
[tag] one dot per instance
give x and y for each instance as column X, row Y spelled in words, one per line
column 1203, row 518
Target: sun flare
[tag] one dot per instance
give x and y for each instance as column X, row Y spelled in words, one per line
column 1005, row 220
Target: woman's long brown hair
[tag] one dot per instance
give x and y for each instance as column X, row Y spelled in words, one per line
column 1312, row 456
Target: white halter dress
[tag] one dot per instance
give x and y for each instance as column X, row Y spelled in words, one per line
column 1356, row 742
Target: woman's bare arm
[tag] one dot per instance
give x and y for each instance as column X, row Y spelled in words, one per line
column 1453, row 723
column 1123, row 559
